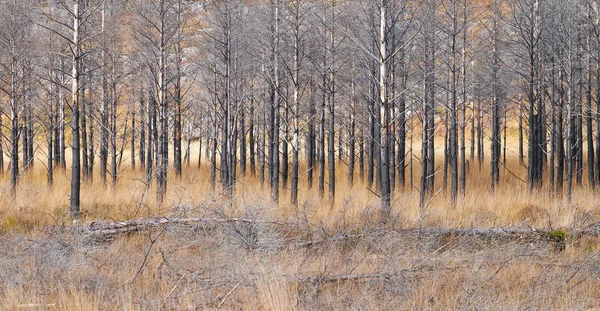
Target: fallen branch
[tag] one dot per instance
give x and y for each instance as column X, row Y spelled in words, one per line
column 120, row 227
column 350, row 277
column 109, row 229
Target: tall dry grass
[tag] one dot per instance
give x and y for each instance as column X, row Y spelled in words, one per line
column 510, row 204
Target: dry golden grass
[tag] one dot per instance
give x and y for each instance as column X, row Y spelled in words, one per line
column 295, row 258
column 511, row 204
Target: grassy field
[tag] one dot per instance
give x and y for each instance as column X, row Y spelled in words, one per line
column 324, row 254
column 511, row 204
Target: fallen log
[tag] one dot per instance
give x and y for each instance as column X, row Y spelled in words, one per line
column 110, row 229
column 123, row 227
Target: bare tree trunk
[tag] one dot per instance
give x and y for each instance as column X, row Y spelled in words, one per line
column 25, row 136
column 262, row 137
column 113, row 124
column 430, row 83
column 311, row 140
column 49, row 134
column 453, row 142
column 275, row 107
column 446, row 147
column 242, row 136
column 177, row 123
column 361, row 157
column 322, row 140
column 199, row 150
column 59, row 122
column 296, row 104
column 589, row 111
column 84, row 142
column 161, row 89
column 473, row 117
column 401, row 141
column 74, row 205
column 352, row 131
column 331, row 136
column 533, row 173
column 521, row 153
column 571, row 137
column 143, row 125
column 480, row 150
column 495, row 128
column 553, row 136
column 151, row 123
column 252, row 138
column 213, row 146
column 103, row 106
column 384, row 170
column 371, row 141
column 463, row 127
column 133, row 135
column 285, row 155
column 560, row 165
column 14, row 130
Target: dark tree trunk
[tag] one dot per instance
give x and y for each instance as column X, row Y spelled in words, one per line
column 104, row 127
column 285, row 155
column 143, row 125
column 560, row 165
column 331, row 136
column 262, row 138
column 311, row 141
column 361, row 157
column 322, row 141
column 151, row 141
column 352, row 134
column 177, row 125
column 371, row 144
column 14, row 130
column 85, row 168
column 49, row 134
column 252, row 139
column 480, row 150
column 242, row 138
column 401, row 141
column 275, row 107
column 113, row 127
column 521, row 153
column 133, row 135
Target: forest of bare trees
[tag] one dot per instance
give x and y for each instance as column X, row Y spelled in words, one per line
column 402, row 95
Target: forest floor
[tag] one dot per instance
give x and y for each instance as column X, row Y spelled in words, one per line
column 506, row 250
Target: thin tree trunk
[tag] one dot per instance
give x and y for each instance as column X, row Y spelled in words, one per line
column 151, row 124
column 252, row 138
column 296, row 105
column 521, row 153
column 14, row 130
column 74, row 205
column 322, row 141
column 352, row 132
column 133, row 135
column 275, row 108
column 262, row 137
column 311, row 140
column 463, row 126
column 84, row 142
column 143, row 125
